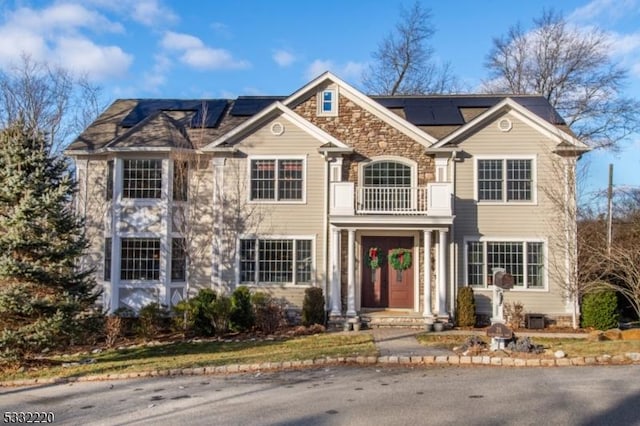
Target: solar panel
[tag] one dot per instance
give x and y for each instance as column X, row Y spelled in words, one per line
column 250, row 105
column 209, row 109
column 442, row 110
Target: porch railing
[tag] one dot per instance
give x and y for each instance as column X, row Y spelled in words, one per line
column 431, row 200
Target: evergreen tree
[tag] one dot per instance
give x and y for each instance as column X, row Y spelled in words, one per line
column 44, row 298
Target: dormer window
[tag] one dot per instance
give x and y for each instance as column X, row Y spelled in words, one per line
column 328, row 102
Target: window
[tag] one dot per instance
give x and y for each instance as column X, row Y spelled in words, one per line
column 180, row 180
column 277, row 180
column 501, row 180
column 276, row 261
column 140, row 259
column 328, row 102
column 178, row 260
column 107, row 260
column 109, row 186
column 523, row 260
column 386, row 187
column 142, row 179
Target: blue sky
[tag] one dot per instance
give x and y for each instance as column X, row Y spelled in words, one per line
column 193, row 49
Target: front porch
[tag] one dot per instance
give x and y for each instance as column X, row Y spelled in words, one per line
column 385, row 296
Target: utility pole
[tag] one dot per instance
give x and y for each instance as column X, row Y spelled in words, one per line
column 609, row 208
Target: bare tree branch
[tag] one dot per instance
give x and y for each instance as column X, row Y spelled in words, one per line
column 404, row 62
column 573, row 69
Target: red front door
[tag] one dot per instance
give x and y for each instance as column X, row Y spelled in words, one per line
column 386, row 287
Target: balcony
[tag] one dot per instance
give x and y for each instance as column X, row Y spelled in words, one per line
column 431, row 200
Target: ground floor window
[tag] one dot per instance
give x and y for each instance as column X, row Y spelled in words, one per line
column 140, row 259
column 265, row 260
column 523, row 260
column 178, row 260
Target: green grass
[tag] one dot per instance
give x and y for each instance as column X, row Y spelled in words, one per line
column 188, row 355
column 571, row 347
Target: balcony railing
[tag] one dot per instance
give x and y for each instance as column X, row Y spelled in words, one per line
column 431, row 200
column 391, row 200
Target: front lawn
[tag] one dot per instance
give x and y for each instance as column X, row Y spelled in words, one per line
column 571, row 347
column 201, row 354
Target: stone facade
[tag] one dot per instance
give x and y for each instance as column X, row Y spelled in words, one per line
column 369, row 137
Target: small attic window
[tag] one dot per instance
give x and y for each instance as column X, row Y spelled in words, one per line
column 328, row 102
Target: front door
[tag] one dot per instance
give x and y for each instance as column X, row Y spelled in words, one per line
column 386, row 287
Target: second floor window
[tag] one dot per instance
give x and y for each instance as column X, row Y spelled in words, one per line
column 142, row 179
column 277, row 180
column 505, row 180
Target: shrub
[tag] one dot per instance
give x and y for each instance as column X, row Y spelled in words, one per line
column 193, row 316
column 150, row 320
column 220, row 314
column 465, row 308
column 514, row 314
column 112, row 329
column 128, row 320
column 313, row 307
column 599, row 310
column 268, row 312
column 242, row 317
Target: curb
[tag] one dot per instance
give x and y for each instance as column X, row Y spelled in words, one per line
column 412, row 361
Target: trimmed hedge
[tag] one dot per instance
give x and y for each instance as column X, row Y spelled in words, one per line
column 465, row 308
column 600, row 310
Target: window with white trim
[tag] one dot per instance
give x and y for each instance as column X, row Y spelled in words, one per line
column 107, row 260
column 505, row 180
column 282, row 261
column 178, row 260
column 328, row 102
column 277, row 180
column 140, row 259
column 142, row 179
column 524, row 260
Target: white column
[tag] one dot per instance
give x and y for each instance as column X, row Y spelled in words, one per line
column 335, row 294
column 116, row 244
column 442, row 273
column 426, row 311
column 218, row 224
column 351, row 275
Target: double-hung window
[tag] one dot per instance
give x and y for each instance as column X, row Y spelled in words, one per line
column 505, row 180
column 140, row 259
column 271, row 260
column 522, row 259
column 142, row 179
column 178, row 260
column 277, row 179
column 328, row 102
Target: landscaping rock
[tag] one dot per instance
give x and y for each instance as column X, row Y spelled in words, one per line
column 633, row 356
column 559, row 354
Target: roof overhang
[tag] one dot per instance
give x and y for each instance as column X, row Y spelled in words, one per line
column 275, row 109
column 508, row 105
column 363, row 101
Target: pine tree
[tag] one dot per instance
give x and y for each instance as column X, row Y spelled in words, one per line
column 44, row 297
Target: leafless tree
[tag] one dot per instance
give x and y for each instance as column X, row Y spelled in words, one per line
column 49, row 98
column 404, row 63
column 567, row 245
column 573, row 69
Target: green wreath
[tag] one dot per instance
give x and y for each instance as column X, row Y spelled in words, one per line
column 400, row 259
column 374, row 258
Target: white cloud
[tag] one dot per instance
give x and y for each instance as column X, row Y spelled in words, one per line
column 57, row 35
column 152, row 13
column 194, row 53
column 350, row 71
column 63, row 17
column 283, row 58
column 597, row 9
column 82, row 56
column 157, row 77
column 625, row 44
column 221, row 29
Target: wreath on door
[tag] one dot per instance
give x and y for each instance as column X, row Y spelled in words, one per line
column 400, row 259
column 374, row 258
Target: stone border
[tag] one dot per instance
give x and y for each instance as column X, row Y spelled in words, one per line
column 442, row 360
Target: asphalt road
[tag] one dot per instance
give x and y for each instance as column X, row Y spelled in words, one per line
column 350, row 396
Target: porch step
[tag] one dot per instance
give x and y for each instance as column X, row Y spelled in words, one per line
column 387, row 319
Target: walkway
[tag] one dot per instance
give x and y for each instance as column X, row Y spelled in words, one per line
column 402, row 341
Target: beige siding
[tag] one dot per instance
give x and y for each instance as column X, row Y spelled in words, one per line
column 279, row 218
column 508, row 221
